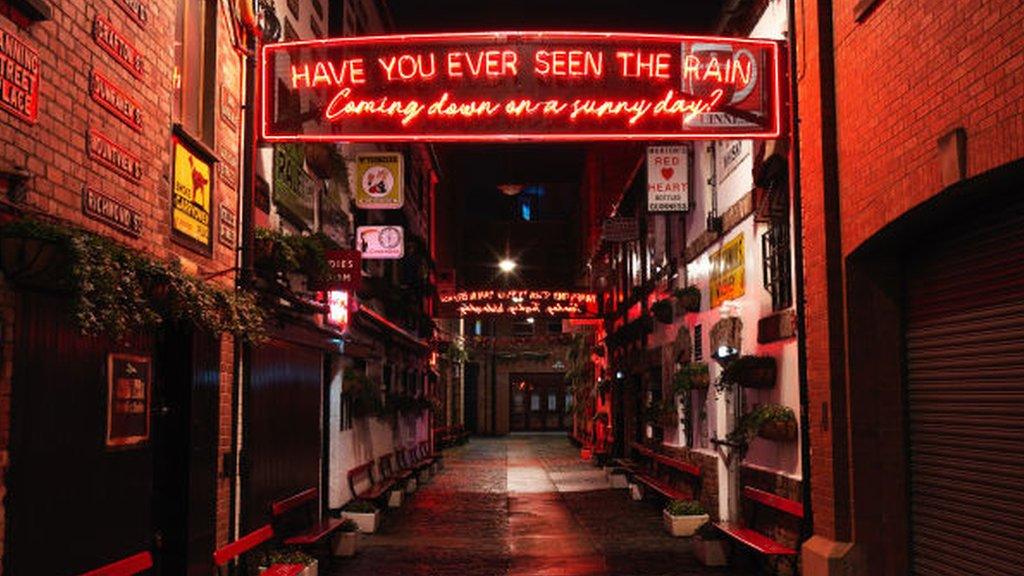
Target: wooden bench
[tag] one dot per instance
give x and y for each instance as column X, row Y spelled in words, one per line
column 363, row 486
column 125, row 567
column 223, row 556
column 390, row 471
column 656, row 469
column 298, row 518
column 749, row 536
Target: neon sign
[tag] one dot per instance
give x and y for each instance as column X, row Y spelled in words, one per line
column 521, row 86
column 519, row 303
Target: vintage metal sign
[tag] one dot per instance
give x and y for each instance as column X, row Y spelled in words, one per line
column 192, row 198
column 228, row 229
column 620, row 229
column 519, row 303
column 113, row 156
column 379, row 180
column 116, row 101
column 346, row 270
column 118, row 47
column 521, row 86
column 105, row 209
column 727, row 272
column 19, row 80
column 668, row 179
column 381, row 242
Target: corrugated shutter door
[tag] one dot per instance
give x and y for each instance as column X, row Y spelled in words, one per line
column 965, row 353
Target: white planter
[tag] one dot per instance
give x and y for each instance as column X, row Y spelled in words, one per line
column 683, row 525
column 395, row 498
column 312, row 569
column 711, row 552
column 367, row 521
column 618, row 480
column 345, row 544
column 410, row 485
column 636, row 491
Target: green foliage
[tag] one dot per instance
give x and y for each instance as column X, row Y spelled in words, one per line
column 752, row 421
column 693, row 376
column 661, row 413
column 752, row 371
column 348, row 525
column 360, row 507
column 366, row 395
column 279, row 254
column 283, row 556
column 457, row 353
column 118, row 290
column 685, row 508
column 688, row 297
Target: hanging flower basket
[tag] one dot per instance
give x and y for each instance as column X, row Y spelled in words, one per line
column 778, row 430
column 693, row 376
column 751, row 372
column 688, row 298
column 663, row 311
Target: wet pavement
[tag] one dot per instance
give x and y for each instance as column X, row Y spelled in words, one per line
column 518, row 506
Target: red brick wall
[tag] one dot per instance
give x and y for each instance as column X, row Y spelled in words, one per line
column 53, row 151
column 912, row 71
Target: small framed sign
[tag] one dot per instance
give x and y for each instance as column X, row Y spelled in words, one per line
column 129, row 384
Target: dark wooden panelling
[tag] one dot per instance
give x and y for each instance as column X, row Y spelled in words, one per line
column 282, row 427
column 72, row 504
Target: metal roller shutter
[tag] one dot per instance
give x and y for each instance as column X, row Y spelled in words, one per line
column 965, row 377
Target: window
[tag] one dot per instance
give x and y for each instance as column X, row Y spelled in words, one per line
column 195, row 68
column 698, row 343
column 345, row 412
column 522, row 327
column 776, row 265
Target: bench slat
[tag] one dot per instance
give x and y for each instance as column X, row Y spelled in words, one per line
column 315, row 533
column 292, row 502
column 661, row 486
column 791, row 507
column 235, row 549
column 125, row 567
column 678, row 465
column 284, row 570
column 755, row 540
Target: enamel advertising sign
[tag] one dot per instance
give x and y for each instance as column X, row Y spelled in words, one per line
column 668, row 179
column 381, row 242
column 379, row 180
column 498, row 86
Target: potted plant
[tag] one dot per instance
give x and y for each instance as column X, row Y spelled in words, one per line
column 663, row 311
column 364, row 514
column 346, row 540
column 688, row 298
column 289, row 558
column 694, row 376
column 683, row 517
column 751, row 372
column 710, row 546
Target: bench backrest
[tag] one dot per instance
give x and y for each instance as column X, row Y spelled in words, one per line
column 785, row 505
column 296, row 512
column 233, row 550
column 125, row 567
column 384, row 465
column 360, row 478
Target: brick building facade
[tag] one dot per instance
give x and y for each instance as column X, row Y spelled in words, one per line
column 910, row 142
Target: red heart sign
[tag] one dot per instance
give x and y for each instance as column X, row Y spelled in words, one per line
column 667, row 173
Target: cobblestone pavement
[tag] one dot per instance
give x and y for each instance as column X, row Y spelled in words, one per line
column 520, row 506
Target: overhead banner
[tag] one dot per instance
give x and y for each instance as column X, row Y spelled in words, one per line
column 519, row 303
column 668, row 179
column 381, row 242
column 521, row 86
column 379, row 180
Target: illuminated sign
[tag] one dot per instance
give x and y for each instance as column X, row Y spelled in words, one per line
column 379, row 180
column 105, row 209
column 113, row 156
column 337, row 308
column 19, row 81
column 520, row 303
column 191, row 202
column 381, row 242
column 521, row 86
column 106, row 94
column 668, row 179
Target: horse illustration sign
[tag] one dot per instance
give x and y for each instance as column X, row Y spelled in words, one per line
column 488, row 86
column 191, row 199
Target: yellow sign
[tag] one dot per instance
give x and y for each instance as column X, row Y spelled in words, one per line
column 191, row 198
column 727, row 272
column 379, row 180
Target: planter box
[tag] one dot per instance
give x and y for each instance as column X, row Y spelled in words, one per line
column 345, row 544
column 711, row 552
column 752, row 372
column 367, row 521
column 683, row 525
column 778, row 431
column 618, row 479
column 395, row 498
column 311, row 569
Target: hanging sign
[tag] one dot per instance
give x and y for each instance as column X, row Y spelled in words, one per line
column 728, row 156
column 519, row 303
column 346, row 270
column 668, row 179
column 128, row 399
column 521, row 86
column 293, row 186
column 19, row 82
column 192, row 202
column 727, row 272
column 620, row 229
column 381, row 242
column 379, row 180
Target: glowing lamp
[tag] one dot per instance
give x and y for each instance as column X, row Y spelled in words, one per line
column 507, row 265
column 337, row 308
column 510, row 189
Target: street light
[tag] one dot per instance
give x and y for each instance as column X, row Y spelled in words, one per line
column 507, row 265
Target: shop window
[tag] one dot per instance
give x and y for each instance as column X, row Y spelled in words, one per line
column 777, row 266
column 195, row 56
column 345, row 412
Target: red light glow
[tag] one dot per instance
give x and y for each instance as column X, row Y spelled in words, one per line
column 337, row 308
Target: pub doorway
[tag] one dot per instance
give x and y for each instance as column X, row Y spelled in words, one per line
column 540, row 402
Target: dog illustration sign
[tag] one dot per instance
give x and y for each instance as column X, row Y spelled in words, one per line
column 191, row 200
column 379, row 181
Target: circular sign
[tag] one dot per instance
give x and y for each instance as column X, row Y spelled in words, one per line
column 378, row 181
column 389, row 237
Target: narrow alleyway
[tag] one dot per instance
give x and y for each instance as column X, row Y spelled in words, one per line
column 521, row 505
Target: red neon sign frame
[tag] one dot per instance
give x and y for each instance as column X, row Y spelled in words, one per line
column 514, row 86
